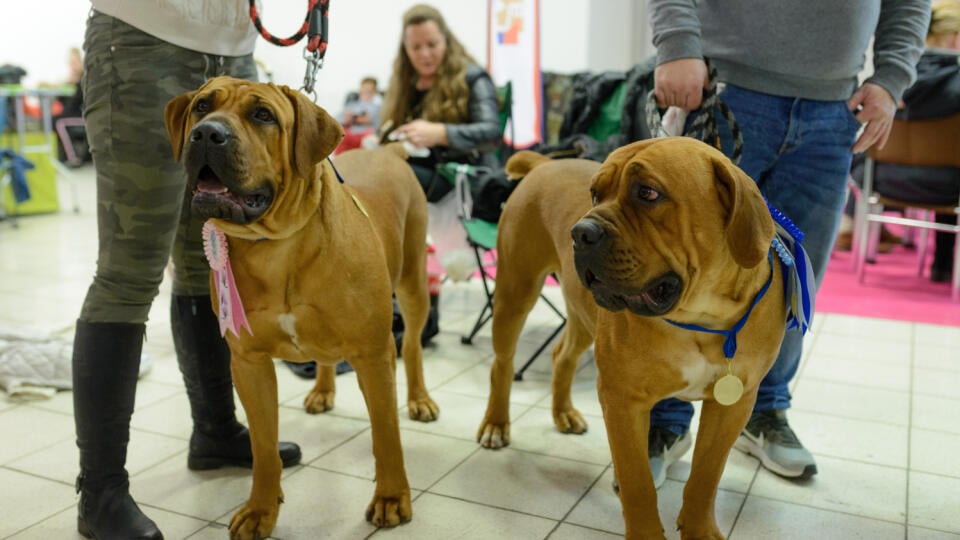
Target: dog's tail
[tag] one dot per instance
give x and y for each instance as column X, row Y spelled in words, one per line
column 398, row 149
column 521, row 163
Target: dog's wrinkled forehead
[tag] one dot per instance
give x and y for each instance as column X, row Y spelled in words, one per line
column 242, row 98
column 680, row 165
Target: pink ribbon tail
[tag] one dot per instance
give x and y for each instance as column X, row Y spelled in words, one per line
column 232, row 315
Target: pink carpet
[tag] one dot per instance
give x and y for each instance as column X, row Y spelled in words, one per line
column 891, row 289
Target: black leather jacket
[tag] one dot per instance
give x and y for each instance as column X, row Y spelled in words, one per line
column 936, row 94
column 476, row 140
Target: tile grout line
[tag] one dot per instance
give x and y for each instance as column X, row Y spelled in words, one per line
column 743, row 504
column 911, row 382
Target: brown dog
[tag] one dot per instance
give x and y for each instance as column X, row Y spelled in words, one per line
column 678, row 233
column 533, row 241
column 315, row 262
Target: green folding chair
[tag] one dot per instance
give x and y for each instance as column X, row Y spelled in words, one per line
column 482, row 239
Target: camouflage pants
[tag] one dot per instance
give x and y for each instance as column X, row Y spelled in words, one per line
column 142, row 214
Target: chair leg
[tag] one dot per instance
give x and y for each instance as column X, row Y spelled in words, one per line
column 487, row 312
column 873, row 241
column 518, row 375
column 865, row 232
column 924, row 215
column 955, row 283
column 910, row 233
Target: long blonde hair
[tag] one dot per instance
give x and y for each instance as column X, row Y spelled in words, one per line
column 944, row 21
column 447, row 99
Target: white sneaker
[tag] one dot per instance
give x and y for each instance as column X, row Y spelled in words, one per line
column 665, row 448
column 769, row 438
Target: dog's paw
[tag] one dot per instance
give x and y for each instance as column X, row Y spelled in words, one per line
column 705, row 529
column 570, row 421
column 252, row 524
column 423, row 409
column 494, row 436
column 318, row 402
column 389, row 511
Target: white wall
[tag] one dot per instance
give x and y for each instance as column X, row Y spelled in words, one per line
column 576, row 35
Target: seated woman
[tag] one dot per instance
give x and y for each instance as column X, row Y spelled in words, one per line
column 440, row 100
column 935, row 94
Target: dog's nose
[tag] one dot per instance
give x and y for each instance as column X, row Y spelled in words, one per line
column 213, row 132
column 587, row 233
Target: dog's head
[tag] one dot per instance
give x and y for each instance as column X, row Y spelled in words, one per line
column 251, row 151
column 671, row 217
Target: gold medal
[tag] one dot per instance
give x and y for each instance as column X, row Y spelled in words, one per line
column 728, row 389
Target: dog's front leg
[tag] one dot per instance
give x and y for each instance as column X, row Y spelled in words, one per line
column 627, row 419
column 255, row 379
column 719, row 428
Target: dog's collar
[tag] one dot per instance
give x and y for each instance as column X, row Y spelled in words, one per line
column 339, row 178
column 730, row 343
column 335, row 171
column 797, row 277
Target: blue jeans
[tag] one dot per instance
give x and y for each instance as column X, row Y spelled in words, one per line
column 799, row 152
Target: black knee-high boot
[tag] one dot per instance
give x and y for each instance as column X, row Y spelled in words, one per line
column 106, row 360
column 204, row 358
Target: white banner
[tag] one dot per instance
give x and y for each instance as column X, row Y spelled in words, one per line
column 513, row 55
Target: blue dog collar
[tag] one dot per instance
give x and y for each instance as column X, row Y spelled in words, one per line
column 797, row 277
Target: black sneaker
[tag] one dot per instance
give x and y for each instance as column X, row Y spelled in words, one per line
column 769, row 438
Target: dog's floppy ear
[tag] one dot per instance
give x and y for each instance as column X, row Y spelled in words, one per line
column 316, row 133
column 175, row 118
column 750, row 228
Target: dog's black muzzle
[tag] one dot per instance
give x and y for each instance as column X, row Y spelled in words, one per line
column 215, row 168
column 591, row 253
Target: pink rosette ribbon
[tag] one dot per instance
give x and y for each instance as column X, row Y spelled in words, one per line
column 231, row 313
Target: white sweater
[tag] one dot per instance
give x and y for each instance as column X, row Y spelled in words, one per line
column 220, row 27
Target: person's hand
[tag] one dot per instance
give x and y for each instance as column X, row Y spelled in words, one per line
column 423, row 133
column 680, row 83
column 348, row 118
column 877, row 108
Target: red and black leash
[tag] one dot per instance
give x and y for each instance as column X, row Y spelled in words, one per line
column 315, row 27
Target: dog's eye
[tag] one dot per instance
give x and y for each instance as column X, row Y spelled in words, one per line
column 647, row 193
column 202, row 106
column 263, row 114
column 593, row 196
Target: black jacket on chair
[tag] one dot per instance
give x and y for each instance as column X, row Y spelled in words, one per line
column 935, row 94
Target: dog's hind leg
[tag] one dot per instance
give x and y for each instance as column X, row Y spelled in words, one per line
column 414, row 302
column 518, row 287
column 321, row 396
column 574, row 340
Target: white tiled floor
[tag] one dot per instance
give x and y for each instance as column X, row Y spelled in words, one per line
column 877, row 401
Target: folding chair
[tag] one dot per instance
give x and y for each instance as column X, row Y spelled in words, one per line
column 482, row 238
column 922, row 143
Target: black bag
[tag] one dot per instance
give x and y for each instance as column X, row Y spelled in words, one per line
column 434, row 185
column 489, row 189
column 431, row 329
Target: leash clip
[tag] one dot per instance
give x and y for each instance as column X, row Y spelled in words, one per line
column 314, row 63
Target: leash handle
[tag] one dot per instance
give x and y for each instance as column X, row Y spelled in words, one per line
column 318, row 26
column 281, row 42
column 315, row 28
column 704, row 124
